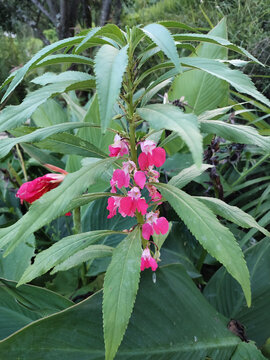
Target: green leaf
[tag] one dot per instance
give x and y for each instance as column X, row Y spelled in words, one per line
column 89, row 253
column 215, row 40
column 176, row 25
column 236, row 78
column 171, row 118
column 13, row 116
column 91, row 33
column 64, row 58
column 247, row 351
column 19, row 307
column 214, row 237
column 231, row 213
column 226, row 296
column 61, row 251
column 242, row 134
column 38, row 57
column 13, row 266
column 172, row 303
column 43, row 157
column 120, row 288
column 203, row 91
column 53, row 203
column 110, row 65
column 185, row 176
column 48, row 114
column 78, row 145
column 164, row 40
column 52, row 78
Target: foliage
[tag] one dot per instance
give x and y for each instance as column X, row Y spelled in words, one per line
column 171, row 317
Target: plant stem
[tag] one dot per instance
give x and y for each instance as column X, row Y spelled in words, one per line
column 22, row 162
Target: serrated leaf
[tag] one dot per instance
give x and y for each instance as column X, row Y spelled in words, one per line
column 61, row 251
column 203, row 91
column 242, row 134
column 64, row 58
column 52, row 78
column 110, row 65
column 212, row 235
column 164, row 40
column 86, row 149
column 53, row 203
column 215, row 40
column 50, row 113
column 247, row 351
column 120, row 288
column 39, row 56
column 43, row 157
column 171, row 118
column 185, row 176
column 232, row 213
column 89, row 253
column 236, row 78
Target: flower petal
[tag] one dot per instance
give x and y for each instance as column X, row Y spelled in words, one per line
column 140, row 179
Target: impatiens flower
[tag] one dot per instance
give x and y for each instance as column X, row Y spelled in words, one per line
column 151, row 155
column 119, row 147
column 147, row 261
column 154, row 193
column 119, row 179
column 33, row 190
column 154, row 224
column 113, row 205
column 133, row 202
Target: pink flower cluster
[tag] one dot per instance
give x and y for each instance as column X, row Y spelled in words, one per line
column 134, row 180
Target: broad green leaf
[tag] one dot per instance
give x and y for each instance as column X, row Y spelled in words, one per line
column 120, row 288
column 38, row 57
column 81, row 146
column 53, row 203
column 212, row 235
column 203, row 91
column 149, row 93
column 13, row 116
column 91, row 33
column 48, row 114
column 236, row 78
column 226, row 296
column 171, row 118
column 64, row 58
column 215, row 40
column 19, row 307
column 173, row 303
column 61, row 251
column 52, row 78
column 231, row 213
column 242, row 134
column 64, row 143
column 12, row 266
column 89, row 253
column 43, row 157
column 110, row 65
column 176, row 25
column 185, row 176
column 247, row 351
column 164, row 40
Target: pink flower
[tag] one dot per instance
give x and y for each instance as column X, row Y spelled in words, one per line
column 140, row 179
column 113, row 205
column 119, row 147
column 133, row 202
column 154, row 224
column 33, row 190
column 119, row 179
column 154, row 194
column 147, row 261
column 151, row 155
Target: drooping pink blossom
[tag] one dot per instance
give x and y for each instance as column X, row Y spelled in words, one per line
column 147, row 261
column 128, row 166
column 151, row 155
column 119, row 179
column 119, row 147
column 31, row 191
column 154, row 224
column 113, row 205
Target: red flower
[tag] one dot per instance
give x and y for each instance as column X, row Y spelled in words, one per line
column 33, row 190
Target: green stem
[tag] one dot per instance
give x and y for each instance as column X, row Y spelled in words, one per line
column 250, row 170
column 22, row 162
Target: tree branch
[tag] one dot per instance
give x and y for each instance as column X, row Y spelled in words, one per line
column 45, row 12
column 105, row 11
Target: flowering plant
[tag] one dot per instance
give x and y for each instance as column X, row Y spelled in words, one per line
column 114, row 145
